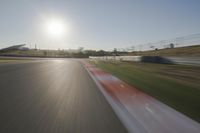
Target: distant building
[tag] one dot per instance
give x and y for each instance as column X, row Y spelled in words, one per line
column 15, row 47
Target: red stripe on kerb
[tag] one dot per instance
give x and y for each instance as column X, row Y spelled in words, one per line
column 119, row 89
column 116, row 88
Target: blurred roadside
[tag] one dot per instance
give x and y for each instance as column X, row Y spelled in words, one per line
column 175, row 85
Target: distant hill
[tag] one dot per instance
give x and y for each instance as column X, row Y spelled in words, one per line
column 180, row 51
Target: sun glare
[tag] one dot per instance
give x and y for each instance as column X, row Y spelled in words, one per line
column 55, row 28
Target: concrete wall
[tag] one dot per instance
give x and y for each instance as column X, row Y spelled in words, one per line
column 153, row 59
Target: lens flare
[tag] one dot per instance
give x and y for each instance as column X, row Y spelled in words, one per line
column 56, row 28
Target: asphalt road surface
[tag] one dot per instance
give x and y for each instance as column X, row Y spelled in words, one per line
column 53, row 96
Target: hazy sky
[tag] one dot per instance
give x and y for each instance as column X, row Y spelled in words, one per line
column 97, row 24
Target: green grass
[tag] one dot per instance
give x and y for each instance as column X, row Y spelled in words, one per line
column 175, row 85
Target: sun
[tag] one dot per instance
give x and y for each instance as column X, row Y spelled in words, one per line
column 55, row 28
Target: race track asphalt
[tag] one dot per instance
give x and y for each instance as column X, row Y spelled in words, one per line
column 53, row 96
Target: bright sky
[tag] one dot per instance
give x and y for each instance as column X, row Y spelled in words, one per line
column 95, row 24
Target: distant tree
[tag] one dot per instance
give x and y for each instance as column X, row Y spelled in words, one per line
column 101, row 53
column 90, row 52
column 153, row 47
column 171, row 45
column 80, row 49
column 115, row 51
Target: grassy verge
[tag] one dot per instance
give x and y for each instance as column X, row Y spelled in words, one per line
column 6, row 61
column 12, row 60
column 175, row 85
